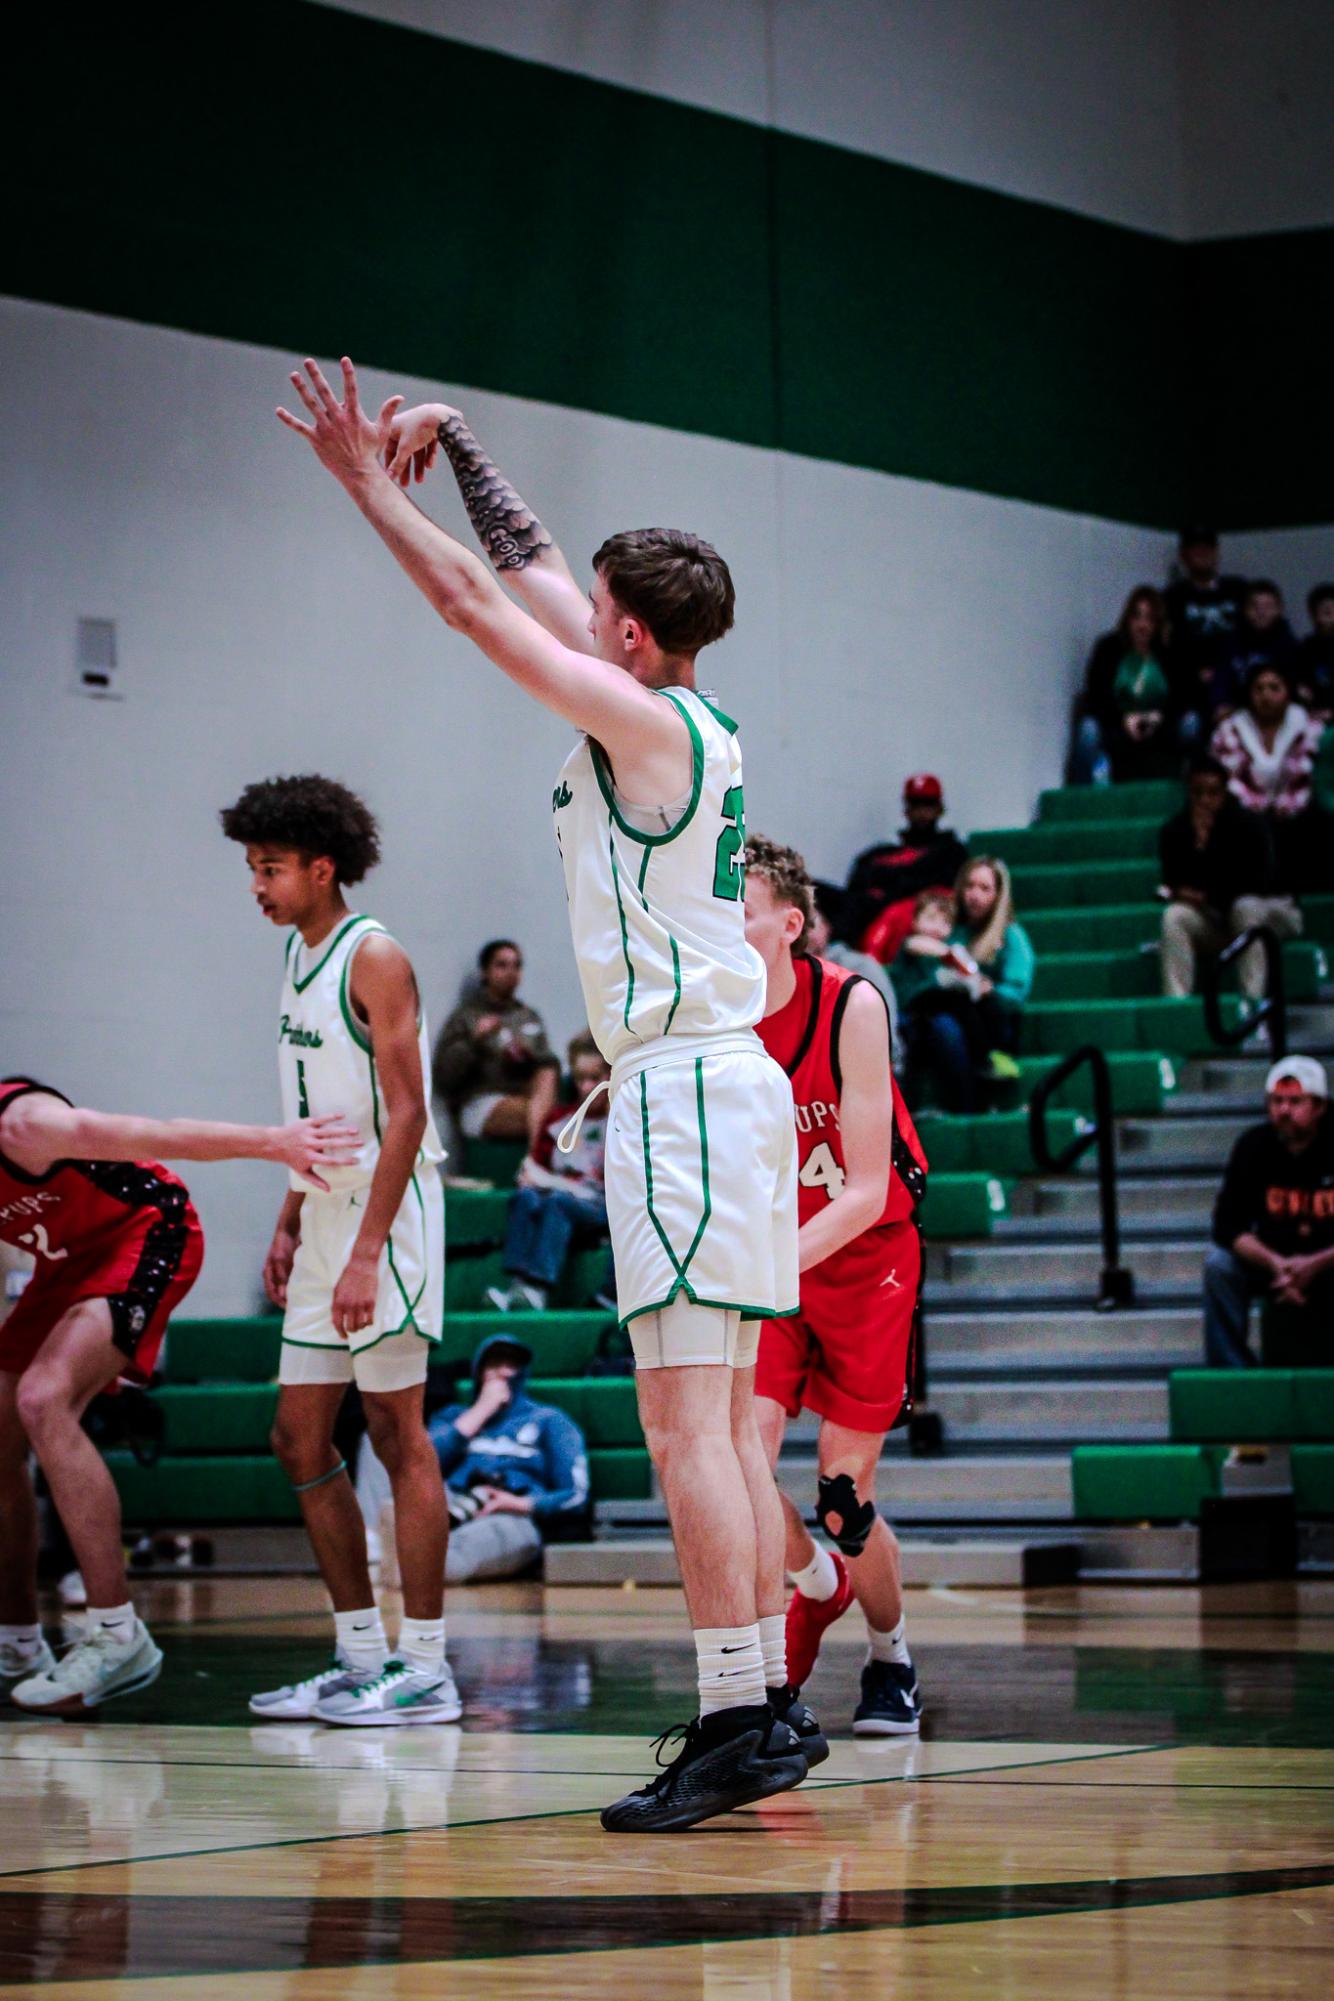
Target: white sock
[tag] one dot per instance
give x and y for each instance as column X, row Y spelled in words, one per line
column 889, row 1646
column 819, row 1579
column 421, row 1643
column 731, row 1668
column 773, row 1646
column 118, row 1620
column 361, row 1638
column 22, row 1639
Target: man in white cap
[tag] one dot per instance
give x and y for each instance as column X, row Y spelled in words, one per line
column 1274, row 1229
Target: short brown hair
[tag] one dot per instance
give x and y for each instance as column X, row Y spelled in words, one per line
column 675, row 584
column 927, row 899
column 582, row 1045
column 786, row 874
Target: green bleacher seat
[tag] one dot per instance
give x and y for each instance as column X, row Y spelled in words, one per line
column 1063, row 886
column 216, row 1417
column 200, row 1491
column 468, row 1274
column 1143, row 1483
column 563, row 1344
column 1313, row 1479
column 604, row 1407
column 201, row 1351
column 1108, row 927
column 1173, row 1027
column 994, row 1143
column 963, row 1205
column 1142, row 1083
column 1313, row 1402
column 492, row 1160
column 1069, row 841
column 620, row 1473
column 475, row 1216
column 1131, row 974
column 1151, row 799
column 1232, row 1406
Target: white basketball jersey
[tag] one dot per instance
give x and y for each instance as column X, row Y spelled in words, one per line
column 658, row 919
column 325, row 1061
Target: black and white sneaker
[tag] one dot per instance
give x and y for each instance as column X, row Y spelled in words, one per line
column 727, row 1760
column 801, row 1721
column 891, row 1704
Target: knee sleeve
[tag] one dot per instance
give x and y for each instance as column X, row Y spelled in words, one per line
column 857, row 1518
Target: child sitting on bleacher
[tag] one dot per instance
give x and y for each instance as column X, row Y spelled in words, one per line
column 956, row 1024
column 559, row 1199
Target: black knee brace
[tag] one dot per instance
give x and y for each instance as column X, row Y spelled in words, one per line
column 839, row 1497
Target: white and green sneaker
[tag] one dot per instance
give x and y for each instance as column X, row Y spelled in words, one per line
column 399, row 1696
column 95, row 1668
column 21, row 1664
column 296, row 1701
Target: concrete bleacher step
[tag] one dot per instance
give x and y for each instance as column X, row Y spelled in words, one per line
column 1161, row 1195
column 1025, row 1486
column 1035, row 1271
column 1073, row 1338
column 1136, row 1228
column 1048, row 1411
column 1155, row 1145
column 961, row 1561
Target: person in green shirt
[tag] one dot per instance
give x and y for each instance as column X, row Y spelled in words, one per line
column 961, row 980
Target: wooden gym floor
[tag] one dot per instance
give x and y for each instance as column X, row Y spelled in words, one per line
column 1117, row 1793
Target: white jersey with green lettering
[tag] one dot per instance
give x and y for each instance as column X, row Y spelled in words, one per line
column 325, row 1060
column 658, row 917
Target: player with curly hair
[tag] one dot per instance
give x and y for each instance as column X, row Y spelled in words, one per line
column 358, row 1268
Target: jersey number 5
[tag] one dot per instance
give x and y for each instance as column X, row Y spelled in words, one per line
column 821, row 1170
column 729, row 867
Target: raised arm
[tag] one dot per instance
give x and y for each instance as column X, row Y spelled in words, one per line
column 39, row 1130
column 520, row 549
column 644, row 736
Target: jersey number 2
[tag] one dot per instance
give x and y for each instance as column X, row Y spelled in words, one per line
column 821, row 1170
column 729, row 867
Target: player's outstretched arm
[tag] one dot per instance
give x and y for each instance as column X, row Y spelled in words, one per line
column 642, row 734
column 39, row 1130
column 866, row 1121
column 521, row 551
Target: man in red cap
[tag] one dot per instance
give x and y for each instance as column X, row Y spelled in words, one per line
column 887, row 878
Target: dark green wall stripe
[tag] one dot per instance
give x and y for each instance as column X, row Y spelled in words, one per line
column 310, row 180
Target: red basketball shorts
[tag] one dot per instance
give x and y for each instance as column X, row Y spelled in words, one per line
column 143, row 1272
column 846, row 1354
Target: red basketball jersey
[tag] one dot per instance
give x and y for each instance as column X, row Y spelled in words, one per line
column 803, row 1037
column 73, row 1209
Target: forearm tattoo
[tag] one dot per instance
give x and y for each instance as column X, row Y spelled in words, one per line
column 508, row 530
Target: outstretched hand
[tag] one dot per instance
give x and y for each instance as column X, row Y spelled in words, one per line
column 341, row 435
column 414, row 441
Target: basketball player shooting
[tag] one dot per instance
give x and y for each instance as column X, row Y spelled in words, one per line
column 700, row 1169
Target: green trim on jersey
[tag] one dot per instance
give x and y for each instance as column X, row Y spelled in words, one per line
column 719, row 715
column 625, row 934
column 696, row 781
column 339, row 934
column 671, row 940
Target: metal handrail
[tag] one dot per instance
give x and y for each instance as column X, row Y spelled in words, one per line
column 1118, row 1283
column 1272, row 1011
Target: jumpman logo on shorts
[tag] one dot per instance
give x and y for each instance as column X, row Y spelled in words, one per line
column 893, row 1280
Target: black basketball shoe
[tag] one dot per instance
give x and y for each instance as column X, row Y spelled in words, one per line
column 727, row 1760
column 801, row 1721
column 891, row 1704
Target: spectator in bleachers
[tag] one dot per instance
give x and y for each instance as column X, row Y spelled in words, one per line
column 822, row 943
column 493, row 1065
column 885, row 880
column 1263, row 638
column 1202, row 612
column 1274, row 1229
column 1129, row 727
column 1313, row 674
column 559, row 1201
column 1268, row 749
column 515, row 1471
column 1218, row 878
column 962, row 979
